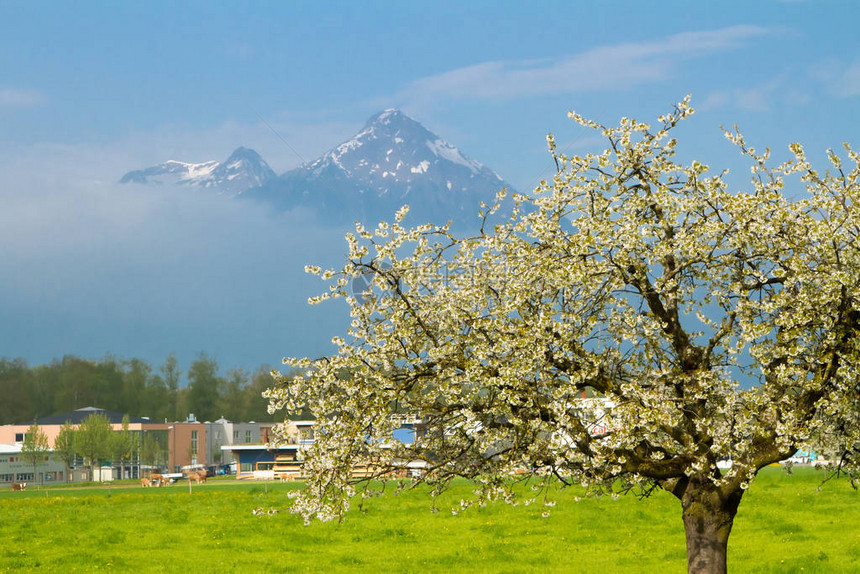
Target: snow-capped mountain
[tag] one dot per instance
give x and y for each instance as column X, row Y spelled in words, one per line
column 243, row 170
column 394, row 148
column 392, row 161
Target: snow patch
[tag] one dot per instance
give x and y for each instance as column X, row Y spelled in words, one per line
column 386, row 115
column 421, row 167
column 352, row 144
column 445, row 150
column 200, row 170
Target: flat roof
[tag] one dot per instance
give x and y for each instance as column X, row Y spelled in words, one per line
column 78, row 416
column 261, row 447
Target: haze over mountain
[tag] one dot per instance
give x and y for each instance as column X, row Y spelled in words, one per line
column 393, row 161
column 91, row 266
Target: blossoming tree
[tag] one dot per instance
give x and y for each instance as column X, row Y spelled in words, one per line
column 713, row 324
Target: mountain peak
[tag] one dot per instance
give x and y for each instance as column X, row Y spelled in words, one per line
column 389, row 116
column 390, row 121
column 243, row 170
column 244, row 153
column 393, row 160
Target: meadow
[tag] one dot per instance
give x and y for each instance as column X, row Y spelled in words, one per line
column 785, row 524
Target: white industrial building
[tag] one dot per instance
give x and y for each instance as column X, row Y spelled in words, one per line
column 15, row 469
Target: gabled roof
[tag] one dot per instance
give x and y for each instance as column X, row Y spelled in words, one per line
column 78, row 416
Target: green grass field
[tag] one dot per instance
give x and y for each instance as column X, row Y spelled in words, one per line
column 784, row 525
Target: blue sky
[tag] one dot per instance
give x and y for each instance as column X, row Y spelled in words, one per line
column 91, row 90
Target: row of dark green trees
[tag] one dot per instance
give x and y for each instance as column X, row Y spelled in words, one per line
column 132, row 386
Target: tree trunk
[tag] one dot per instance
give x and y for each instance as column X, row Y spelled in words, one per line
column 708, row 513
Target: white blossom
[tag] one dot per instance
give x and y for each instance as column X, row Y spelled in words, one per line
column 712, row 323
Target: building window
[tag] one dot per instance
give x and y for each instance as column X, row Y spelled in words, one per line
column 245, row 467
column 306, row 434
column 5, row 478
column 19, row 436
column 235, row 436
column 193, row 442
column 248, row 437
column 24, row 476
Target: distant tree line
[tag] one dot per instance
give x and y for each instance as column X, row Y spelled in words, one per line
column 132, row 386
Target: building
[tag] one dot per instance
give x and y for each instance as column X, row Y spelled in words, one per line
column 186, row 444
column 261, row 460
column 223, row 433
column 163, row 446
column 51, row 425
column 284, row 460
column 143, row 428
column 14, row 469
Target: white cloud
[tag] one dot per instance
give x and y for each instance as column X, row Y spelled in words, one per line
column 17, row 98
column 604, row 68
